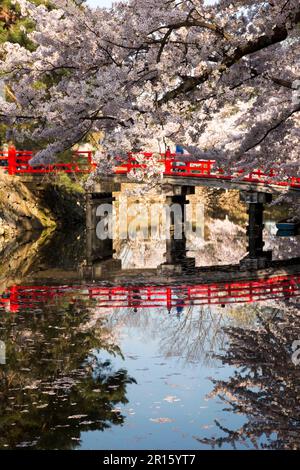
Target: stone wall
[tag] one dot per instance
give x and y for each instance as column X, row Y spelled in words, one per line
column 20, row 209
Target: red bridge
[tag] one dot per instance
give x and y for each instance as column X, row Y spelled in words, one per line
column 207, row 169
column 277, row 287
column 17, row 162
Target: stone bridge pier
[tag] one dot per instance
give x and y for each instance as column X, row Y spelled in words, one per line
column 256, row 258
column 176, row 243
column 99, row 252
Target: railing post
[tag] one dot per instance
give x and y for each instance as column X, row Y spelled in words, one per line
column 91, row 163
column 129, row 162
column 168, row 161
column 12, row 164
column 90, row 158
column 169, row 299
column 14, row 299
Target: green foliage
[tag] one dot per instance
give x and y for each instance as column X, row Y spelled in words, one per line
column 13, row 28
column 64, row 181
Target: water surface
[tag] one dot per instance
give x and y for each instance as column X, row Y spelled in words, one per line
column 80, row 372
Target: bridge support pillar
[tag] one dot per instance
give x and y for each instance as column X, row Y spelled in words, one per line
column 256, row 258
column 99, row 236
column 176, row 250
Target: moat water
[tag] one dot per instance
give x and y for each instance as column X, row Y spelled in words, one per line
column 81, row 368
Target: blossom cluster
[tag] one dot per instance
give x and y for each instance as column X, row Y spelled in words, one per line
column 218, row 79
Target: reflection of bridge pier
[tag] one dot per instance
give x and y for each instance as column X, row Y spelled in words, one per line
column 256, row 258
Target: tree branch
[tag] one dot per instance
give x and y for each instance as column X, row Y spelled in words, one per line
column 273, row 128
column 262, row 42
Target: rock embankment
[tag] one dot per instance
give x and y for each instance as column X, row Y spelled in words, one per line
column 20, row 209
column 23, row 208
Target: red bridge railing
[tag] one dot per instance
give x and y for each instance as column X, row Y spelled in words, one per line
column 277, row 287
column 17, row 162
column 207, row 169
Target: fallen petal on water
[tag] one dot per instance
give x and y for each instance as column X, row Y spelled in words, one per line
column 162, row 420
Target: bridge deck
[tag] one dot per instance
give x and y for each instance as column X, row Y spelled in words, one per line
column 202, row 182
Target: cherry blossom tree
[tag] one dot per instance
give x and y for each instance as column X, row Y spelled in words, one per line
column 220, row 79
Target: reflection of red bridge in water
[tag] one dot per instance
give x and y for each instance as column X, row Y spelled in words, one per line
column 277, row 287
column 16, row 162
